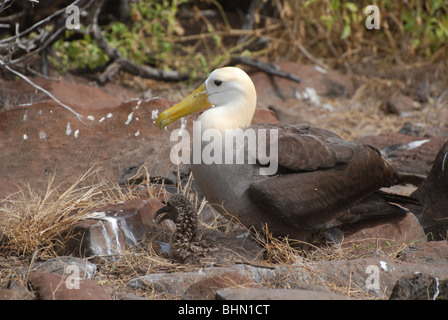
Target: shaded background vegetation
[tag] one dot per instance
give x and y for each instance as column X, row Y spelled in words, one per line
column 197, row 36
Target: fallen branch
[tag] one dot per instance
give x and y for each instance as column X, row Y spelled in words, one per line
column 307, row 54
column 119, row 62
column 269, row 68
column 78, row 116
column 149, row 72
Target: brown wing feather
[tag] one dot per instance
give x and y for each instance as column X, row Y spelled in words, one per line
column 309, row 148
column 329, row 176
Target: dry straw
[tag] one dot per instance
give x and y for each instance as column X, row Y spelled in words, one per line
column 34, row 222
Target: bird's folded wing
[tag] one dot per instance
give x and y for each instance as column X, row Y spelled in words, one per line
column 305, row 148
column 326, row 175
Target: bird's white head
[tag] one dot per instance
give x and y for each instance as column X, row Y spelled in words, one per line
column 232, row 93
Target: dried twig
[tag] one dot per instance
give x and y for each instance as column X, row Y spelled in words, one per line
column 149, row 72
column 37, row 44
column 41, row 47
column 302, row 49
column 37, row 25
column 269, row 68
column 2, row 63
column 249, row 19
column 307, row 54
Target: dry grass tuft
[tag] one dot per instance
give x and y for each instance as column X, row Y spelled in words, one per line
column 278, row 250
column 140, row 260
column 33, row 222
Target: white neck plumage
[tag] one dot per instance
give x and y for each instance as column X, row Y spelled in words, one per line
column 237, row 113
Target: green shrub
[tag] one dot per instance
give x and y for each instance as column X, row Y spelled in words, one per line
column 331, row 30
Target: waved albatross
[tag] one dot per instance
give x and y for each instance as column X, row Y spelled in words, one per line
column 321, row 180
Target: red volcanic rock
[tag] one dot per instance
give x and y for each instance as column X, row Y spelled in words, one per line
column 409, row 154
column 51, row 286
column 44, row 139
column 384, row 232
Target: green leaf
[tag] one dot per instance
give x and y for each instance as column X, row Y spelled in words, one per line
column 329, row 20
column 217, row 40
column 351, row 6
column 119, row 28
column 346, row 32
column 415, row 43
column 335, row 4
column 246, row 53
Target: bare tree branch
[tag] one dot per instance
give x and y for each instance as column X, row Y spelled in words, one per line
column 41, row 47
column 37, row 25
column 39, row 43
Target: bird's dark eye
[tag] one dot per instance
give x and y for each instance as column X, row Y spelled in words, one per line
column 217, row 82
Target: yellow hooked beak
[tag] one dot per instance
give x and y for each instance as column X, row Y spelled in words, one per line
column 196, row 101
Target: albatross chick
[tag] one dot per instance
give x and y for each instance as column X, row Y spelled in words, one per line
column 191, row 244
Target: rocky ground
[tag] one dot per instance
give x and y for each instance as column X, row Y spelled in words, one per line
column 114, row 250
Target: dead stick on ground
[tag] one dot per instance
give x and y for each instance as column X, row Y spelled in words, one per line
column 269, row 68
column 2, row 63
column 307, row 54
